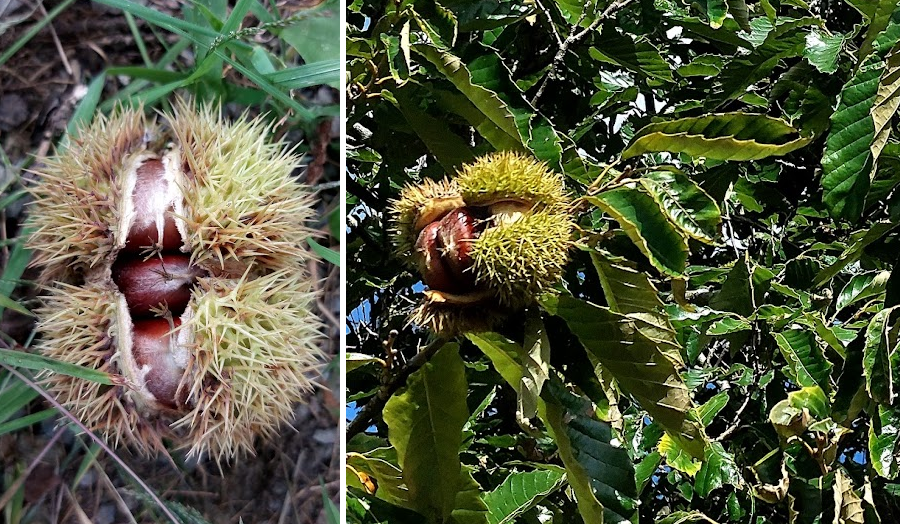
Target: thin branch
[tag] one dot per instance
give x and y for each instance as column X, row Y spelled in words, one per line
column 374, row 407
column 573, row 38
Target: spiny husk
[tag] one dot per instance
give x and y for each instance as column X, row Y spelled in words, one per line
column 451, row 319
column 250, row 324
column 520, row 254
column 416, row 204
column 523, row 258
column 243, row 207
column 79, row 326
column 508, row 175
column 75, row 207
column 254, row 345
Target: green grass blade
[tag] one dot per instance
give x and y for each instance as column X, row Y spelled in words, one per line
column 31, row 361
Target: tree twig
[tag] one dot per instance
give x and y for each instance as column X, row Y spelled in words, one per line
column 372, row 408
column 571, row 39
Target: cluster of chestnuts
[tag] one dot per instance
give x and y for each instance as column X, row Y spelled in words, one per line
column 485, row 242
column 172, row 257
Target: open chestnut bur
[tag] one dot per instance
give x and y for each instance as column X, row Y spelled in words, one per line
column 486, row 242
column 172, row 257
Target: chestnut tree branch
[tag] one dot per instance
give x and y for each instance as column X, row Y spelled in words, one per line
column 574, row 37
column 375, row 406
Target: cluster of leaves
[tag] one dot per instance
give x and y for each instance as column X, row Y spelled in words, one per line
column 724, row 345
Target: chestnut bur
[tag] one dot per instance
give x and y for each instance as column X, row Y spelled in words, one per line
column 487, row 241
column 173, row 259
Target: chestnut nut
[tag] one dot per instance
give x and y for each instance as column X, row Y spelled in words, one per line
column 444, row 247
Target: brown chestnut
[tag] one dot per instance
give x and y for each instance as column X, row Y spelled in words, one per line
column 157, row 355
column 164, row 279
column 152, row 201
column 433, row 270
column 457, row 230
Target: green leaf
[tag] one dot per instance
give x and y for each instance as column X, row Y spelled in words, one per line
column 822, row 50
column 677, row 456
column 708, row 411
column 520, row 492
column 14, row 269
column 314, row 36
column 503, row 354
column 636, row 362
column 881, row 356
column 847, row 160
column 439, row 23
column 807, row 365
column 632, row 293
column 645, row 224
column 645, row 469
column 627, row 290
column 425, row 424
column 728, row 325
column 485, row 100
column 879, row 14
column 447, row 147
column 470, row 509
column 535, row 358
column 738, row 9
column 703, row 65
column 525, row 371
column 27, row 420
column 41, row 363
column 771, row 45
column 718, row 469
column 601, row 475
column 715, row 11
column 14, row 395
column 535, row 131
column 638, row 57
column 308, row 75
column 329, row 255
column 861, row 287
column 84, row 112
column 358, row 360
column 8, row 303
column 687, row 206
column 884, row 442
column 397, row 55
column 727, row 136
column 387, row 478
column 743, row 289
column 861, row 240
column 458, row 104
